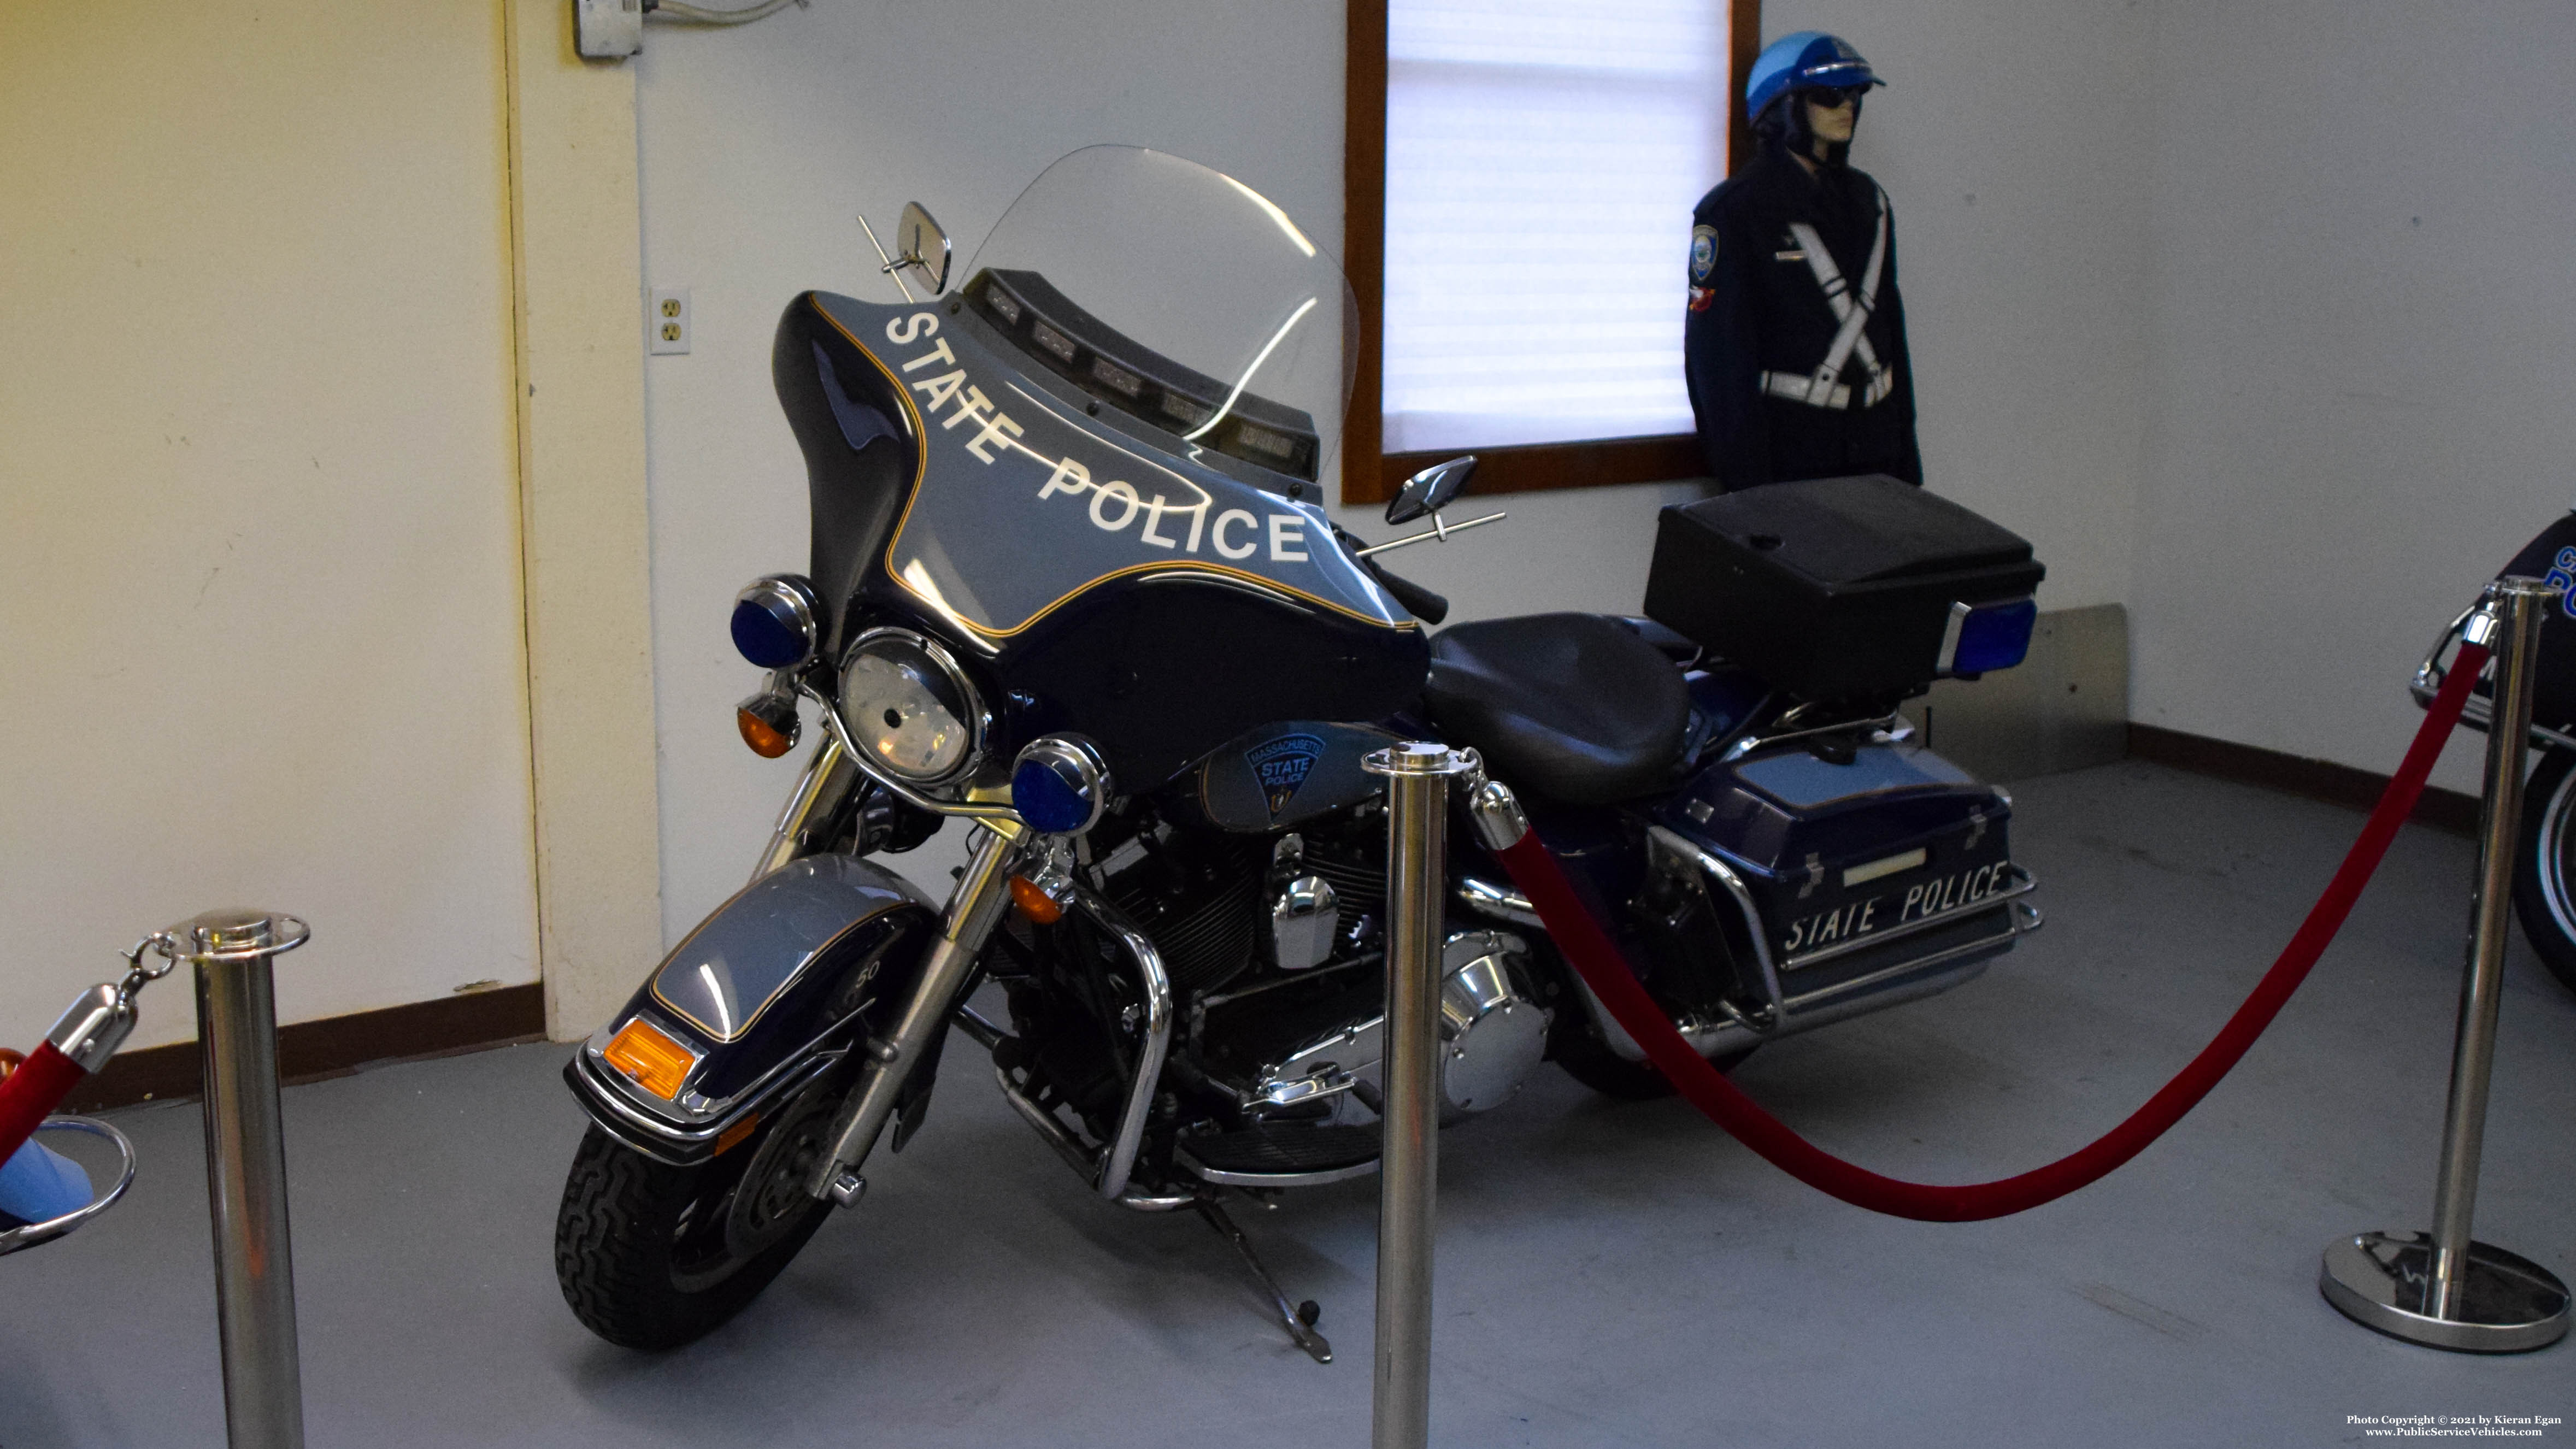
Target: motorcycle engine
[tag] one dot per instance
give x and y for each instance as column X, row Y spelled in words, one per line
column 1493, row 1033
column 1197, row 895
column 1274, row 949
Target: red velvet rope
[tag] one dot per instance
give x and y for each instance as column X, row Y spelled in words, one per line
column 1579, row 935
column 31, row 1092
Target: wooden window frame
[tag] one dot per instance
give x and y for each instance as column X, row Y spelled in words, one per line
column 1372, row 476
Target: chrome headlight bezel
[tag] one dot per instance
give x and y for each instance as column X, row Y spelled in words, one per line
column 786, row 603
column 1060, row 785
column 969, row 711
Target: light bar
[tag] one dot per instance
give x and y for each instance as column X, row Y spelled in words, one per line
column 1045, row 324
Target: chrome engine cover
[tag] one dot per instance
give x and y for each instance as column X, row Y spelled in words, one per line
column 1492, row 1035
column 1303, row 913
column 1492, row 1031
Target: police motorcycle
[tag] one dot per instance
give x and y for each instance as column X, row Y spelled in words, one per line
column 1071, row 586
column 2544, row 884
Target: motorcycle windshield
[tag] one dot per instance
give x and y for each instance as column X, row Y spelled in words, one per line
column 1190, row 302
column 1145, row 370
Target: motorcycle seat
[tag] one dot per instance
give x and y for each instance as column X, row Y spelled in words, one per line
column 1571, row 707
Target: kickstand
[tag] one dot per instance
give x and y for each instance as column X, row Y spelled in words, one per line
column 1300, row 1320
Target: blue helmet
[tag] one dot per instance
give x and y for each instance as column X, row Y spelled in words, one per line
column 1808, row 58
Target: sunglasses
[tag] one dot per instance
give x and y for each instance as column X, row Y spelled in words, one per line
column 1831, row 97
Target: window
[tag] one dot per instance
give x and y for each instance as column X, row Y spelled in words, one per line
column 1521, row 176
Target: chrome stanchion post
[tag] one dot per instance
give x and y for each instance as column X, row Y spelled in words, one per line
column 246, row 1171
column 2464, row 1122
column 2444, row 1289
column 1417, row 817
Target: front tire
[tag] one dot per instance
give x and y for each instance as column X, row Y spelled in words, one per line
column 2544, row 867
column 653, row 1256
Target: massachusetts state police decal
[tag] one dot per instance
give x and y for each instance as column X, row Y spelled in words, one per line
column 1703, row 252
column 1281, row 765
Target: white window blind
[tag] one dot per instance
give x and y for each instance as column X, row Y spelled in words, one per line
column 1542, row 159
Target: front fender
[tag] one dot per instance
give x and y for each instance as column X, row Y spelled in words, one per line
column 770, row 991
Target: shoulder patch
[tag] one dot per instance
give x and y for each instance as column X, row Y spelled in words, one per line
column 1703, row 252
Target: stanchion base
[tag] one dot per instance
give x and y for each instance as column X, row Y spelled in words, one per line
column 2379, row 1281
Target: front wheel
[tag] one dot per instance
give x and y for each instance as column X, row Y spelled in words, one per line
column 2544, row 868
column 653, row 1256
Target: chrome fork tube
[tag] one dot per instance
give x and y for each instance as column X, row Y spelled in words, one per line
column 972, row 909
column 825, row 784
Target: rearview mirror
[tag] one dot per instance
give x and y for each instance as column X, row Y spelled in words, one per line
column 1430, row 490
column 921, row 248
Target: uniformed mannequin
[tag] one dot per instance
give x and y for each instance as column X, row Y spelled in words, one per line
column 1795, row 338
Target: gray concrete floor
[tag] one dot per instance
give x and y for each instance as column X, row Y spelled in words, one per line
column 1609, row 1274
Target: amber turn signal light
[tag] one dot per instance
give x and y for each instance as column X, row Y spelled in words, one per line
column 652, row 1057
column 764, row 738
column 1034, row 903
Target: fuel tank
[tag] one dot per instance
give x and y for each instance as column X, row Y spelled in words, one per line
column 1281, row 775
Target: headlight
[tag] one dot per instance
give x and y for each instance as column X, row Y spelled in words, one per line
column 907, row 703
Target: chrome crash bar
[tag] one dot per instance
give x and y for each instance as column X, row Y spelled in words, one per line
column 1709, row 870
column 1782, row 1010
column 1108, row 1167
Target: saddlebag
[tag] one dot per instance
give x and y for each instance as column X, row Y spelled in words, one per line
column 1888, row 871
column 1841, row 588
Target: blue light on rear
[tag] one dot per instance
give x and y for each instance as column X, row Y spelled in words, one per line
column 1050, row 803
column 767, row 633
column 1995, row 636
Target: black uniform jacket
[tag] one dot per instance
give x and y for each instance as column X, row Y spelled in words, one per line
column 1759, row 308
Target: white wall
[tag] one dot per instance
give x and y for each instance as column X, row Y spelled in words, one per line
column 259, row 618
column 759, row 147
column 2364, row 325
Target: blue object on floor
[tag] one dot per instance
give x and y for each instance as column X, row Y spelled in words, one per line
column 38, row 1184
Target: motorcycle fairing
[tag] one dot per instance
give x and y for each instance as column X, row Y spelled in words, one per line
column 1023, row 501
column 777, row 979
column 862, row 455
column 1158, row 653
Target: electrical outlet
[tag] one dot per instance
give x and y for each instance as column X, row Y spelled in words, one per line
column 608, row 29
column 669, row 321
